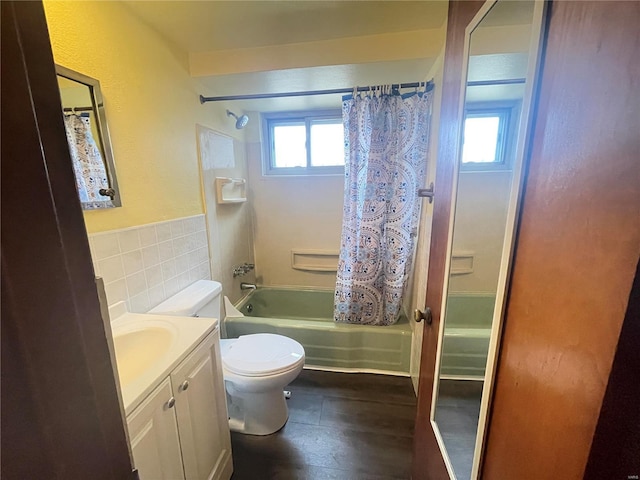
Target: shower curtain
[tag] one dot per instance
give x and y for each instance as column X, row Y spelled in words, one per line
column 386, row 148
column 88, row 165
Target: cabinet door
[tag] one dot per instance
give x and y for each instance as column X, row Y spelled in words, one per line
column 153, row 432
column 202, row 413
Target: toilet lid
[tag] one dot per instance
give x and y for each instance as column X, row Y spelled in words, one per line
column 261, row 354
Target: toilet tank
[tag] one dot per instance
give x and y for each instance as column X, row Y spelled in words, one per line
column 201, row 299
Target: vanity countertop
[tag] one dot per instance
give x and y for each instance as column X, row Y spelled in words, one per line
column 148, row 347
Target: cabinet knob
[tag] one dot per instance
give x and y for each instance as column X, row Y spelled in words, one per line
column 171, row 402
column 184, row 385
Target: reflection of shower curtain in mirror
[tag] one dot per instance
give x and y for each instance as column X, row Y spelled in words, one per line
column 88, row 165
column 386, row 148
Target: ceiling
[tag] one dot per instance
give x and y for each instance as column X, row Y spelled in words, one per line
column 509, row 13
column 198, row 27
column 201, row 26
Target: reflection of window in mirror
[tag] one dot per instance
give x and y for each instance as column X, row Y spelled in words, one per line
column 486, row 139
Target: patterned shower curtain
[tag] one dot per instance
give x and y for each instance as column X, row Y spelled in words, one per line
column 88, row 165
column 386, row 147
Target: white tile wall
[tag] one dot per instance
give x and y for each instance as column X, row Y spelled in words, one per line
column 145, row 265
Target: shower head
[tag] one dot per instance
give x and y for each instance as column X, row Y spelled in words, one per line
column 241, row 122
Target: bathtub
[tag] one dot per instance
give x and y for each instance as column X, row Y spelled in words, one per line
column 307, row 316
column 466, row 335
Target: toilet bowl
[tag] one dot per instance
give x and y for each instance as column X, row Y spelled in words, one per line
column 256, row 367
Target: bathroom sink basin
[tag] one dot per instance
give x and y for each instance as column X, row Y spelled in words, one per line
column 137, row 350
column 148, row 347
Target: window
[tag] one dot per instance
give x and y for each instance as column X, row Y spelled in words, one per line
column 303, row 143
column 485, row 139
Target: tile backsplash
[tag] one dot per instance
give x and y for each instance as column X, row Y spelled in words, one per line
column 147, row 264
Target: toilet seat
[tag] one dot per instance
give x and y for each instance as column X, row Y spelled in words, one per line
column 261, row 354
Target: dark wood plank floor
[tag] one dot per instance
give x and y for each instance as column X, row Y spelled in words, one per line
column 341, row 427
column 457, row 413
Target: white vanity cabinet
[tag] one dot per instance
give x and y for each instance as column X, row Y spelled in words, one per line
column 153, row 433
column 185, row 416
column 202, row 413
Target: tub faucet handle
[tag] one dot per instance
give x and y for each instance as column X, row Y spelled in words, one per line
column 243, row 269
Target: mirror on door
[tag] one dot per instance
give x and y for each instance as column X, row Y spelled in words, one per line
column 502, row 51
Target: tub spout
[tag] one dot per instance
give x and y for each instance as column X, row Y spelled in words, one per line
column 247, row 286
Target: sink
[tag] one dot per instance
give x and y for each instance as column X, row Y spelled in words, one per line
column 148, row 347
column 137, row 350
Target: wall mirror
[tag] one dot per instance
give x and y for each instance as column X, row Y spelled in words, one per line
column 85, row 123
column 501, row 56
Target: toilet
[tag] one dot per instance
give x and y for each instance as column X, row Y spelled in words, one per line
column 256, row 367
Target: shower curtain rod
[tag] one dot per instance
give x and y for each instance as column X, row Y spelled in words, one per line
column 429, row 86
column 308, row 93
column 77, row 109
column 485, row 83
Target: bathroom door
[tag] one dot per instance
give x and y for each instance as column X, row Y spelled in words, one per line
column 428, row 462
column 485, row 122
column 577, row 251
column 60, row 412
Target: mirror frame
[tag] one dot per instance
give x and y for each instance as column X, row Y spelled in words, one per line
column 520, row 162
column 102, row 127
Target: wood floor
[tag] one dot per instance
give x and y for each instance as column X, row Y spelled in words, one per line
column 341, row 427
column 457, row 413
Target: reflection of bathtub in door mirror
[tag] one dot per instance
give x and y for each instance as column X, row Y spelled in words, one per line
column 85, row 123
column 501, row 54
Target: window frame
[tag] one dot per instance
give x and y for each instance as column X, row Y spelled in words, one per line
column 307, row 117
column 508, row 114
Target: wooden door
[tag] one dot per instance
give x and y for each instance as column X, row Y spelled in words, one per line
column 428, row 462
column 616, row 443
column 577, row 248
column 202, row 413
column 153, row 431
column 61, row 416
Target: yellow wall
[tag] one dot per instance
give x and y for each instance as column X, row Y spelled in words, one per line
column 152, row 109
